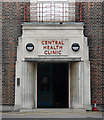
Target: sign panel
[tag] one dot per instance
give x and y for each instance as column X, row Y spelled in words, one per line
column 53, row 47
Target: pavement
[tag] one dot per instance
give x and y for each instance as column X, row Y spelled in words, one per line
column 53, row 113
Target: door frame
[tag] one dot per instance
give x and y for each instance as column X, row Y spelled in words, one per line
column 69, row 85
column 36, row 86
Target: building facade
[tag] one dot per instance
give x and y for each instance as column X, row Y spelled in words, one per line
column 42, row 49
column 52, row 38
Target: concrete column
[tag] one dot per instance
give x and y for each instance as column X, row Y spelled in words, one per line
column 76, row 84
column 86, row 82
column 18, row 89
column 28, row 85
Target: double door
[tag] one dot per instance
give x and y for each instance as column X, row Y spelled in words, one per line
column 53, row 85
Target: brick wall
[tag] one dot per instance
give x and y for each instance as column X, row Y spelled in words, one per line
column 92, row 17
column 103, row 54
column 12, row 16
column 0, row 52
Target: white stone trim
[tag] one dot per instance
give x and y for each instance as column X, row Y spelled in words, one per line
column 36, row 96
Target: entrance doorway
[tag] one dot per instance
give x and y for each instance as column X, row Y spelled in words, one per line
column 52, row 85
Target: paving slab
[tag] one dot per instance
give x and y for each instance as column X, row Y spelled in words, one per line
column 53, row 113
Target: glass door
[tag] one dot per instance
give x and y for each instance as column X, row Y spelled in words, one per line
column 44, row 84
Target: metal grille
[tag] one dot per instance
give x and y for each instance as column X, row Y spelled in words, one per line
column 52, row 11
